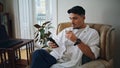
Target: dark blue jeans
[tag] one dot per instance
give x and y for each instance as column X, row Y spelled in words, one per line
column 42, row 59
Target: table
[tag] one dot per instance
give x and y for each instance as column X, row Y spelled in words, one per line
column 11, row 57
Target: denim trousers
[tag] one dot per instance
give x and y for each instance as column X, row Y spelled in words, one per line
column 42, row 59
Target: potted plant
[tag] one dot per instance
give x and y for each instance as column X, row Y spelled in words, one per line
column 42, row 33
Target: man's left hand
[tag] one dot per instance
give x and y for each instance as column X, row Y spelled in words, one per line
column 71, row 36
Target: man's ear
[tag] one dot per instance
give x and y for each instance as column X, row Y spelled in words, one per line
column 84, row 17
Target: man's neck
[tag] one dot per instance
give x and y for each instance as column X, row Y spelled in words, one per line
column 83, row 26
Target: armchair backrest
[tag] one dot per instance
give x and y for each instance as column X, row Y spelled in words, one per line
column 106, row 33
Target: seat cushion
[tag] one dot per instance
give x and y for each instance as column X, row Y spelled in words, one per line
column 94, row 64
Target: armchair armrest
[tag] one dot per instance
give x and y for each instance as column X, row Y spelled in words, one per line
column 96, row 64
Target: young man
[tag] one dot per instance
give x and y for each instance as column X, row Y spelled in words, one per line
column 71, row 44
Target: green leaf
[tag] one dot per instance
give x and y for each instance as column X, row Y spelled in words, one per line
column 36, row 35
column 42, row 33
column 36, row 40
column 45, row 23
column 37, row 26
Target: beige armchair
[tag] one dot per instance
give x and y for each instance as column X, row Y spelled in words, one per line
column 106, row 33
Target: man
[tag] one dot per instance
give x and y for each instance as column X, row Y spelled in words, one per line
column 71, row 44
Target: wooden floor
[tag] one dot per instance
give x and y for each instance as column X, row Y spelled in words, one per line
column 24, row 58
column 23, row 54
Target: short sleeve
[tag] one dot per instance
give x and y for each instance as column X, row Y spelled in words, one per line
column 95, row 50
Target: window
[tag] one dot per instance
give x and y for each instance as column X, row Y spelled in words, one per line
column 40, row 13
column 46, row 10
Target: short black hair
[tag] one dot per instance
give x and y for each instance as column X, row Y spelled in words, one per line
column 77, row 10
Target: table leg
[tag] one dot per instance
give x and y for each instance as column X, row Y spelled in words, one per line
column 11, row 58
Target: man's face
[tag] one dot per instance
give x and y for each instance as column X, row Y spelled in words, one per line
column 77, row 20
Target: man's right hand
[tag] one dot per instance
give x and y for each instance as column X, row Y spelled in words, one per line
column 52, row 45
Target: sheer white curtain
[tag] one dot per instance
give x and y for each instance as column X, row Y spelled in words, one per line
column 53, row 13
column 24, row 18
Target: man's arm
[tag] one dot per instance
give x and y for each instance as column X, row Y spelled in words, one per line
column 86, row 50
